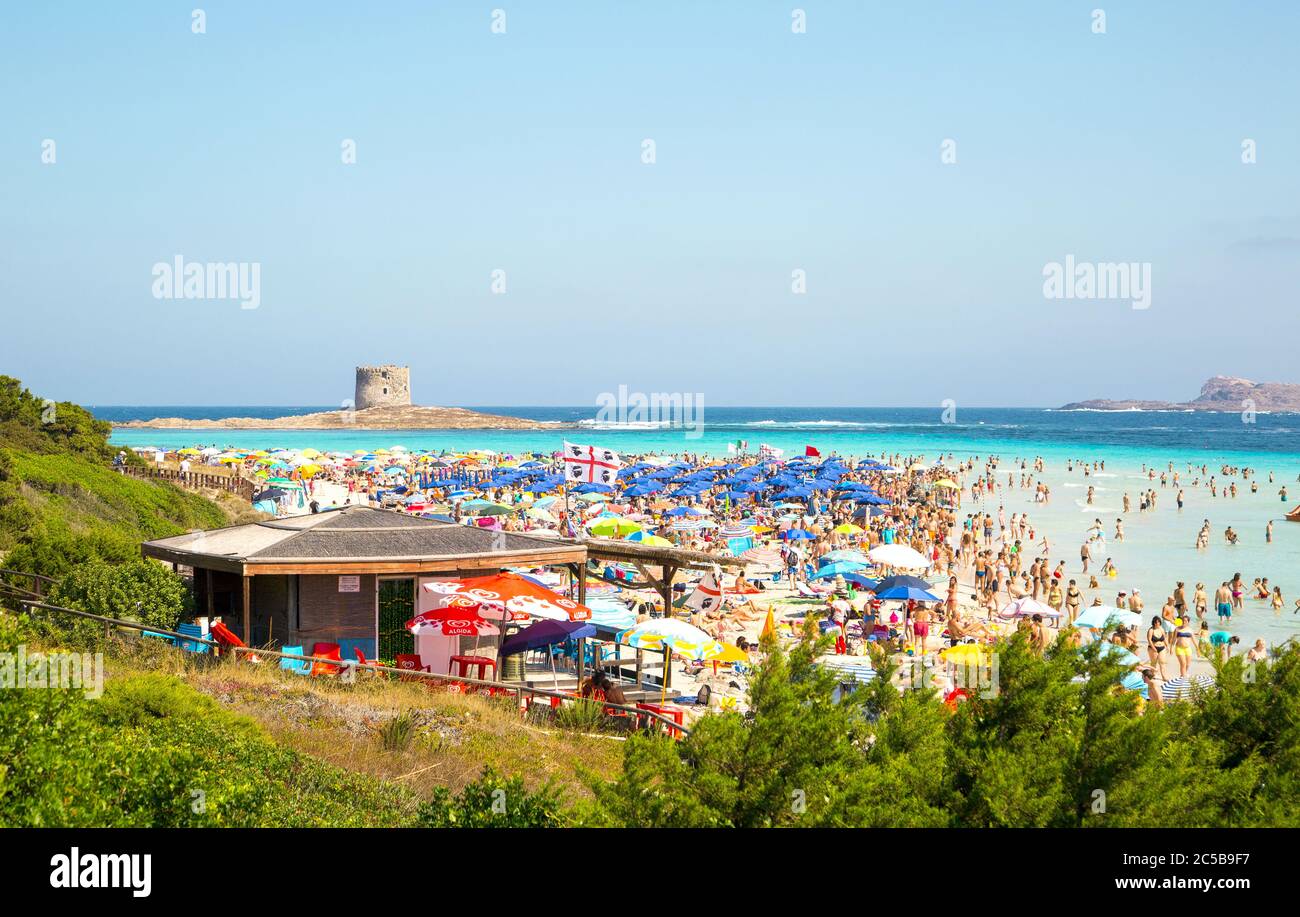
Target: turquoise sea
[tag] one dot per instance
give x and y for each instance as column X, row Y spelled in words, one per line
column 1157, row 552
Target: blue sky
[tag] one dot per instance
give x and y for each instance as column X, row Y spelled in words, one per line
column 774, row 152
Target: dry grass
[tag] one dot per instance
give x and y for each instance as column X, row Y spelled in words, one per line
column 455, row 735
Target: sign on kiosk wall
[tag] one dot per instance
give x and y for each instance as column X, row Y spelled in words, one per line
column 349, row 584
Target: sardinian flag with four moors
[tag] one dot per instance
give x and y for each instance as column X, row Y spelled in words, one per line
column 590, row 465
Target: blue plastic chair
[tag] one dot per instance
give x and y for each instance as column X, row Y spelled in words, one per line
column 192, row 630
column 297, row 666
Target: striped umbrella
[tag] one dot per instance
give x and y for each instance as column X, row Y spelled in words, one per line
column 1185, row 686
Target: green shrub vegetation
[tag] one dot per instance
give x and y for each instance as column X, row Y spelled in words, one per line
column 152, row 751
column 1041, row 750
column 61, row 502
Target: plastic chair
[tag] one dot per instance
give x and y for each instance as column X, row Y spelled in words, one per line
column 410, row 662
column 329, row 651
column 296, row 666
column 192, row 630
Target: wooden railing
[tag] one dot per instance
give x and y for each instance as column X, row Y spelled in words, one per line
column 193, row 480
column 431, row 678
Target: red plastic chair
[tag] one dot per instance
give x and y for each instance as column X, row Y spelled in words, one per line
column 675, row 714
column 227, row 638
column 328, row 651
column 410, row 662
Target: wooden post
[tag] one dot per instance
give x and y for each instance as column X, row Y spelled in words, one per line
column 248, row 611
column 211, row 602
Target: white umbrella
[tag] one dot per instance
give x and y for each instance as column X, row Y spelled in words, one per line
column 898, row 555
column 1026, row 607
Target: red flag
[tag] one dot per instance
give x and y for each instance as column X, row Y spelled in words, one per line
column 812, row 450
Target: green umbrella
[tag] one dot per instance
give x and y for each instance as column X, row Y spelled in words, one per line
column 614, row 527
column 476, row 508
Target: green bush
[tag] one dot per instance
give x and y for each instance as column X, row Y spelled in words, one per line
column 493, row 801
column 1058, row 744
column 139, row 590
column 153, row 752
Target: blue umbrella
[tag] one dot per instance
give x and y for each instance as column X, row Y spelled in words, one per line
column 683, row 511
column 915, row 582
column 642, row 490
column 837, row 568
column 907, row 592
column 545, row 633
column 1134, row 681
column 592, row 488
column 797, row 535
column 862, row 582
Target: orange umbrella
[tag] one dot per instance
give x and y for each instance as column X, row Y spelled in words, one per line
column 519, row 595
column 769, row 626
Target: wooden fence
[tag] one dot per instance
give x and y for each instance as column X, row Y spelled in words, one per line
column 433, row 680
column 193, row 480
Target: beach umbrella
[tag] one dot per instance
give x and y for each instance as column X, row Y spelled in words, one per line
column 656, row 633
column 1026, row 607
column 271, row 493
column 898, row 555
column 1133, row 681
column 966, row 654
column 644, row 537
column 545, row 633
column 684, row 511
column 899, row 593
column 614, row 526
column 862, row 582
column 484, row 508
column 796, row 535
column 847, row 528
column 609, row 612
column 837, row 568
column 844, row 554
column 1103, row 616
column 457, row 619
column 510, row 592
column 855, row 669
column 1185, row 686
column 890, row 582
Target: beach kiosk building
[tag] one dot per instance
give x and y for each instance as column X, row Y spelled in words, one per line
column 350, row 576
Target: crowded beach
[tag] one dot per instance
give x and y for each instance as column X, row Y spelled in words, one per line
column 893, row 555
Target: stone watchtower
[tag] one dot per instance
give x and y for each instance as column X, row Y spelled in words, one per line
column 383, row 386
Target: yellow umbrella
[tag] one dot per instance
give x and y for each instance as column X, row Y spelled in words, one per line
column 308, row 471
column 950, row 485
column 615, row 526
column 847, row 528
column 769, row 626
column 965, row 654
column 189, row 451
column 309, row 453
column 725, row 652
